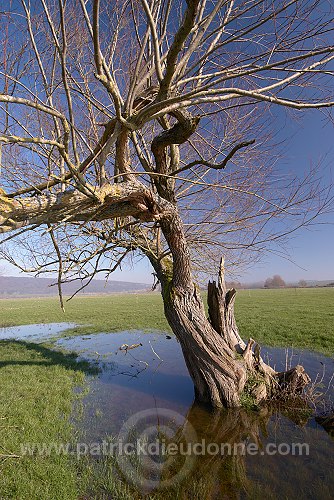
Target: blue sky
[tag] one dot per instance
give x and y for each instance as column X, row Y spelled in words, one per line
column 309, row 140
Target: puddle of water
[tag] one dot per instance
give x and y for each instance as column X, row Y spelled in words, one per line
column 34, row 332
column 153, row 374
column 135, row 384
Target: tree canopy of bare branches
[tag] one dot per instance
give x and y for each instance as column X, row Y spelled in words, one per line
column 144, row 126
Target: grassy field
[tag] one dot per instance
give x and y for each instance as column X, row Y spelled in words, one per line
column 94, row 314
column 37, row 384
column 292, row 317
column 36, row 401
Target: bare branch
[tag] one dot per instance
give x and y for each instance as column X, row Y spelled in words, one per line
column 218, row 166
column 176, row 47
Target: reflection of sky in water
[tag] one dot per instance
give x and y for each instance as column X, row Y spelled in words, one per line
column 155, row 370
column 33, row 332
column 154, row 375
column 149, row 375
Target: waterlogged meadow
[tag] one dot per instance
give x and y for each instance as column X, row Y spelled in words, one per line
column 284, row 318
column 83, row 394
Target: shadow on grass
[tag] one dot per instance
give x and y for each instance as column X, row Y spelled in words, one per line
column 51, row 357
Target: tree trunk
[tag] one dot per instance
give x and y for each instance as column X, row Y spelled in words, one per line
column 225, row 370
column 217, row 375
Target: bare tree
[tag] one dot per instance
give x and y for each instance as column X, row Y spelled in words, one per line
column 275, row 282
column 143, row 127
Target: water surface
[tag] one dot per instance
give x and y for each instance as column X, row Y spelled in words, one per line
column 136, row 383
column 34, row 332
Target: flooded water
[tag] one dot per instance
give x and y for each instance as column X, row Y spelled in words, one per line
column 144, row 392
column 34, row 332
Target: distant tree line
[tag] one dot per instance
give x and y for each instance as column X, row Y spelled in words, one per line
column 234, row 284
column 275, row 282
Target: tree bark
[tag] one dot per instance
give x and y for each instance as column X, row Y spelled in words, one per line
column 218, row 376
column 223, row 367
column 98, row 203
column 225, row 370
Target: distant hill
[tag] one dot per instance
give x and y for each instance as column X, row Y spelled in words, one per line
column 260, row 284
column 40, row 287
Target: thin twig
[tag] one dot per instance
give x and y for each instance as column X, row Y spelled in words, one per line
column 157, row 355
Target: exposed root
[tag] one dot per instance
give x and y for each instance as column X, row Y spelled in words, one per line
column 263, row 383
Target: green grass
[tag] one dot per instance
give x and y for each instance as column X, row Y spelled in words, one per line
column 37, row 384
column 301, row 318
column 36, row 402
column 95, row 314
column 292, row 317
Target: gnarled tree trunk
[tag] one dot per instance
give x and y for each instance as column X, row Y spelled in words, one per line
column 218, row 376
column 224, row 369
column 148, row 87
